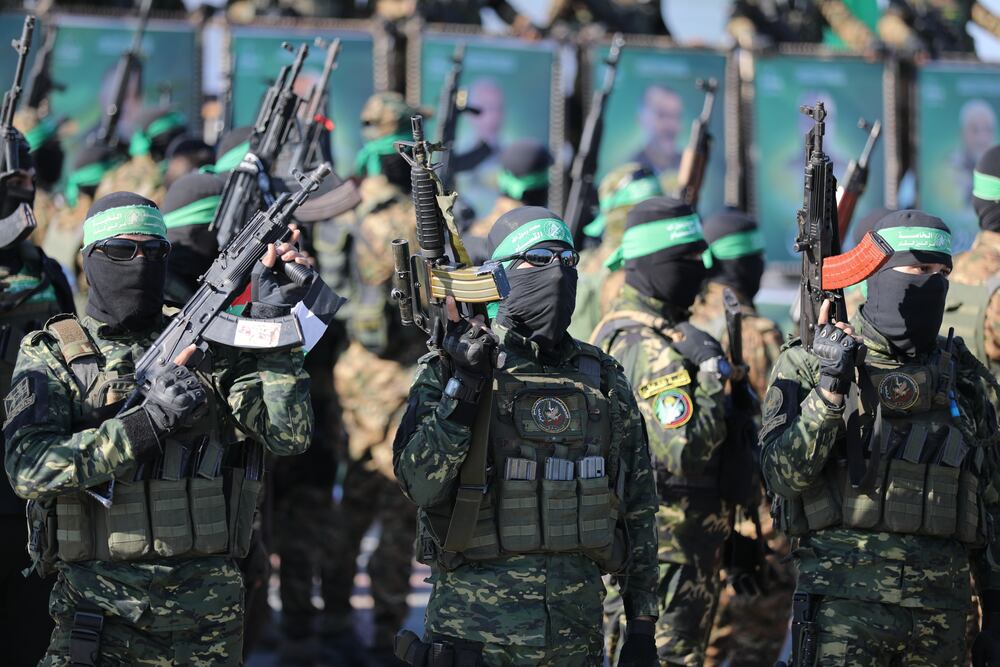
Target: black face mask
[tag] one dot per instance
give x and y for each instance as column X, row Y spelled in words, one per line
column 193, row 249
column 907, row 309
column 126, row 295
column 540, row 304
column 673, row 280
column 742, row 274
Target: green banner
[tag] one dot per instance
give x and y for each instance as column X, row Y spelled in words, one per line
column 850, row 88
column 648, row 117
column 510, row 83
column 259, row 57
column 957, row 123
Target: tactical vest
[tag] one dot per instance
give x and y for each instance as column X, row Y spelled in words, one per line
column 965, row 310
column 923, row 471
column 557, row 477
column 197, row 499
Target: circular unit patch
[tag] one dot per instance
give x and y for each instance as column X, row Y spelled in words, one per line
column 551, row 414
column 673, row 408
column 898, row 391
column 773, row 401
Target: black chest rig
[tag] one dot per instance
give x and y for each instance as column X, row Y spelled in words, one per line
column 909, row 467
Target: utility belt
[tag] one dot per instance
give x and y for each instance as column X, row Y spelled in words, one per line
column 440, row 652
column 210, row 513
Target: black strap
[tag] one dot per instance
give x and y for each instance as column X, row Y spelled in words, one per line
column 804, row 630
column 85, row 637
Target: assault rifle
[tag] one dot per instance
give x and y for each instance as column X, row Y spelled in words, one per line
column 107, row 132
column 452, row 102
column 826, row 272
column 421, row 285
column 856, row 179
column 40, row 83
column 582, row 193
column 694, row 161
column 203, row 318
column 315, row 139
column 19, row 224
column 250, row 181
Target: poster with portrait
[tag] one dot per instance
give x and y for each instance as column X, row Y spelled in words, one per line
column 84, row 61
column 648, row 116
column 258, row 56
column 957, row 109
column 850, row 89
column 510, row 85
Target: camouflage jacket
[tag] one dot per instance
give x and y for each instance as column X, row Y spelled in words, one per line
column 141, row 175
column 529, row 599
column 50, row 452
column 684, row 409
column 762, row 340
column 975, row 267
column 597, row 286
column 803, row 435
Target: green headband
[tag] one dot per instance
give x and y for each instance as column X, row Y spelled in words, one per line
column 86, row 176
column 228, row 160
column 515, row 186
column 650, row 237
column 198, row 212
column 525, row 236
column 142, row 140
column 629, row 195
column 40, row 133
column 927, row 239
column 734, row 246
column 985, row 186
column 134, row 219
column 368, row 163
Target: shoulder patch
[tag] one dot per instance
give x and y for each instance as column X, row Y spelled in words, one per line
column 20, row 398
column 773, row 401
column 664, row 382
column 673, row 408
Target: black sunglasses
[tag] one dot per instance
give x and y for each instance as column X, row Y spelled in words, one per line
column 123, row 250
column 544, row 257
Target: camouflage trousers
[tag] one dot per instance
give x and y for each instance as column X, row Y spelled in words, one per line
column 579, row 654
column 152, row 641
column 857, row 632
column 370, row 496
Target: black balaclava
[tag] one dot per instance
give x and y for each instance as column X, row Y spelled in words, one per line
column 87, row 156
column 541, row 300
column 193, row 246
column 125, row 295
column 161, row 140
column 396, row 171
column 12, row 195
column 49, row 158
column 525, row 172
column 908, row 309
column 986, row 190
column 669, row 274
column 735, row 250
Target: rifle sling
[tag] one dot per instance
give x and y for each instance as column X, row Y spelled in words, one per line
column 861, row 473
column 471, row 477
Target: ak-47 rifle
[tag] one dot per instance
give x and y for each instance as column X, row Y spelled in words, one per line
column 582, row 193
column 17, row 226
column 315, row 144
column 40, row 83
column 856, row 179
column 421, row 285
column 453, row 101
column 694, row 161
column 204, row 318
column 826, row 272
column 107, row 132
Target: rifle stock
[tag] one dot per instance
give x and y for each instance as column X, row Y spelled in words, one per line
column 694, row 160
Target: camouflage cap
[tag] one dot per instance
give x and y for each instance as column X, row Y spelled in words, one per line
column 622, row 188
column 388, row 113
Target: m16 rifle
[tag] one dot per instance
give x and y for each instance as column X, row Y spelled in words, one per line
column 453, row 101
column 694, row 161
column 582, row 193
column 826, row 272
column 107, row 132
column 40, row 83
column 19, row 224
column 856, row 179
column 421, row 285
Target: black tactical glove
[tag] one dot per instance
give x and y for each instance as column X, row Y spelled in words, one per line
column 838, row 353
column 471, row 349
column 174, row 395
column 639, row 649
column 272, row 291
column 986, row 647
column 699, row 348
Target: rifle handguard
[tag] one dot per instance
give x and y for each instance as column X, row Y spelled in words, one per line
column 850, row 268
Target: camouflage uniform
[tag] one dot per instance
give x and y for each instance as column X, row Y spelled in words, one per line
column 685, row 420
column 141, row 175
column 537, row 608
column 885, row 596
column 159, row 610
column 978, row 266
column 371, row 379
